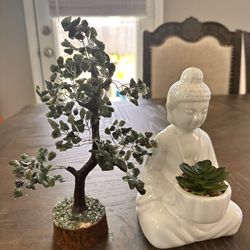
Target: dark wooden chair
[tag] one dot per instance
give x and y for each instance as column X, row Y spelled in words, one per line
column 210, row 46
column 247, row 59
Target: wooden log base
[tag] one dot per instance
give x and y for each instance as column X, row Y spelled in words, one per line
column 83, row 238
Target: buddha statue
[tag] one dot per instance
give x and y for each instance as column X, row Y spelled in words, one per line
column 170, row 216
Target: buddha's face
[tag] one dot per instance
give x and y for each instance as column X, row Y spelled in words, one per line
column 189, row 115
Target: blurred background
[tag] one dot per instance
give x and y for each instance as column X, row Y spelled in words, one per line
column 31, row 36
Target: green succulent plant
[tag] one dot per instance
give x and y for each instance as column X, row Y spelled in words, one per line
column 203, row 178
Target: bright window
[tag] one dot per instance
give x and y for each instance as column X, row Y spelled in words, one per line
column 119, row 36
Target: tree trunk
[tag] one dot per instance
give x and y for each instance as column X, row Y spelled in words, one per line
column 79, row 205
column 80, row 175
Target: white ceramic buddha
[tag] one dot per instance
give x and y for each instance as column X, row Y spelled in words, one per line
column 170, row 216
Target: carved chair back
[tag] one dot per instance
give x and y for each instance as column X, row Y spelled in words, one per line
column 247, row 59
column 210, row 46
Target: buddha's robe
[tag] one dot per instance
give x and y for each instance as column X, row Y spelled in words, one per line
column 160, row 225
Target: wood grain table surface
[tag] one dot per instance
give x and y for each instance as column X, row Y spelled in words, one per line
column 25, row 223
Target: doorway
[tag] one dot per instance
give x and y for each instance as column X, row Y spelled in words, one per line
column 120, row 25
column 119, row 35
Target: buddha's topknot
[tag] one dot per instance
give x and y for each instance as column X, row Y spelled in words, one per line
column 190, row 87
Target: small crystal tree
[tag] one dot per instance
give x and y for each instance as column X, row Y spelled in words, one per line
column 76, row 105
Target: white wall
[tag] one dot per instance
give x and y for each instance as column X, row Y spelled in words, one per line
column 16, row 88
column 233, row 14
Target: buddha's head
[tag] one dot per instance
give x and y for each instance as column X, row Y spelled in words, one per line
column 188, row 100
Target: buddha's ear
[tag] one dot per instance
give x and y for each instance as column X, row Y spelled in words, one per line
column 170, row 107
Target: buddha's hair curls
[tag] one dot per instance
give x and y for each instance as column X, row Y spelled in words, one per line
column 190, row 88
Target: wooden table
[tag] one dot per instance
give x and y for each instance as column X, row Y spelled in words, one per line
column 25, row 223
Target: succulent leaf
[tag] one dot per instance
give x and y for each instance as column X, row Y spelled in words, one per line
column 203, row 178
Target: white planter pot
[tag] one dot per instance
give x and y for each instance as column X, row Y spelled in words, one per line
column 201, row 209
